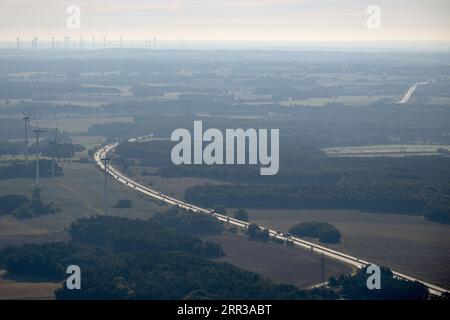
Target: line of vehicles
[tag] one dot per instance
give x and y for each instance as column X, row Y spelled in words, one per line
column 286, row 237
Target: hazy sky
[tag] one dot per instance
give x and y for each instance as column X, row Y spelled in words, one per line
column 258, row 20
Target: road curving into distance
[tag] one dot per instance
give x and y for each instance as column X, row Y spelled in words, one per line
column 313, row 247
column 408, row 94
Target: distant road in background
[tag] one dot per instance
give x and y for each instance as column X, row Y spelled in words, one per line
column 410, row 92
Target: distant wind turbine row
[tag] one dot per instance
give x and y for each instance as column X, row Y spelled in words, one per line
column 83, row 43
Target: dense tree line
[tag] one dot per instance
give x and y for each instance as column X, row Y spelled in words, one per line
column 23, row 208
column 123, row 204
column 355, row 287
column 164, row 275
column 11, row 147
column 241, row 214
column 21, row 169
column 22, row 90
column 366, row 197
column 254, row 232
column 310, row 179
column 186, row 223
column 11, row 202
column 180, row 275
column 60, row 150
column 171, row 231
column 152, row 153
column 325, row 232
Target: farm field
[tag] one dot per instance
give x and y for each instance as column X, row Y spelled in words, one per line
column 12, row 288
column 79, row 193
column 277, row 262
column 408, row 244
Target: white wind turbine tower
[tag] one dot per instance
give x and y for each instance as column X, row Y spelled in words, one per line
column 26, row 119
column 53, row 150
column 105, row 159
column 37, row 131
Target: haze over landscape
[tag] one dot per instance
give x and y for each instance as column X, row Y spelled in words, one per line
column 353, row 96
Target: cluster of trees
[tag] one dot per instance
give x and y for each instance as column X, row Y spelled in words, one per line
column 354, row 287
column 136, row 259
column 179, row 221
column 23, row 208
column 11, row 202
column 171, row 231
column 21, row 90
column 325, row 232
column 254, row 232
column 437, row 208
column 22, row 169
column 162, row 275
column 241, row 214
column 123, row 204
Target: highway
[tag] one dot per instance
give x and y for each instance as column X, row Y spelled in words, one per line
column 313, row 247
column 410, row 92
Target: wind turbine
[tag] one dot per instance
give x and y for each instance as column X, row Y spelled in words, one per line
column 26, row 119
column 53, row 149
column 37, row 131
column 105, row 159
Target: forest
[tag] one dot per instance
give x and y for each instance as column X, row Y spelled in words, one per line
column 355, row 288
column 308, row 178
column 151, row 262
column 22, row 169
